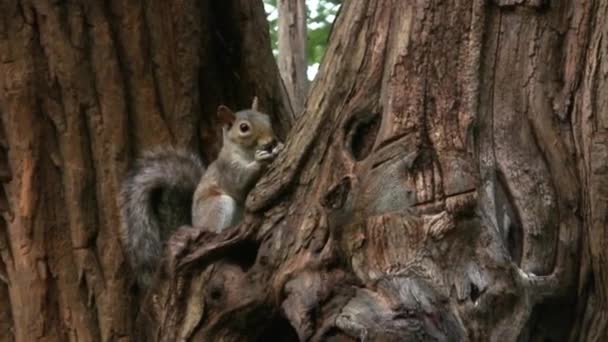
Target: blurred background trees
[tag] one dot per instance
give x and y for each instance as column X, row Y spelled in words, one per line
column 299, row 30
column 320, row 16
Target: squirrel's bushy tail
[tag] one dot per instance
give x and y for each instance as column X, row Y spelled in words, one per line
column 156, row 199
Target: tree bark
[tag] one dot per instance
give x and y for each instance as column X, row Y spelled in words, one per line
column 86, row 86
column 292, row 59
column 446, row 182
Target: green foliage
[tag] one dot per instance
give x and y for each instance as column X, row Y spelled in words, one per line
column 320, row 17
column 319, row 21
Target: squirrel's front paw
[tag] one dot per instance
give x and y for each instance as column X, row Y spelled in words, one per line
column 280, row 146
column 263, row 156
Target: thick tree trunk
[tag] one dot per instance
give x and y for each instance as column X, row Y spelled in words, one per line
column 292, row 51
column 446, row 182
column 85, row 86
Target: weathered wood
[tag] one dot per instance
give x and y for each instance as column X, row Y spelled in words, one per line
column 85, row 86
column 444, row 183
column 447, row 180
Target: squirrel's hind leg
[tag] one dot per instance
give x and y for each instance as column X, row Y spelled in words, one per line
column 216, row 213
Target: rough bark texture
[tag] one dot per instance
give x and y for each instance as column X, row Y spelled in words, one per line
column 85, row 86
column 292, row 51
column 446, row 182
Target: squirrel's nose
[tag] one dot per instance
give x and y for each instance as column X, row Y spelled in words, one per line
column 268, row 146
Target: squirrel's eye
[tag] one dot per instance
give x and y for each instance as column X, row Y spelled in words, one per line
column 244, row 127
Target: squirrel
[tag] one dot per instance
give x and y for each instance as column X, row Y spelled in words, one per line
column 170, row 188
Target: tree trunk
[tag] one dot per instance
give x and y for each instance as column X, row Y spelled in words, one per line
column 446, row 182
column 85, row 87
column 292, row 51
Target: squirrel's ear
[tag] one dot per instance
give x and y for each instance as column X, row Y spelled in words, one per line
column 254, row 104
column 225, row 115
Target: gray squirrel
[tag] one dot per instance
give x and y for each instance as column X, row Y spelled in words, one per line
column 169, row 188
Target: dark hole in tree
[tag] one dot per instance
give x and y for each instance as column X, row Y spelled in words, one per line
column 246, row 255
column 335, row 335
column 506, row 209
column 243, row 254
column 215, row 293
column 336, row 196
column 515, row 243
column 362, row 130
column 279, row 330
column 549, row 321
column 474, row 292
